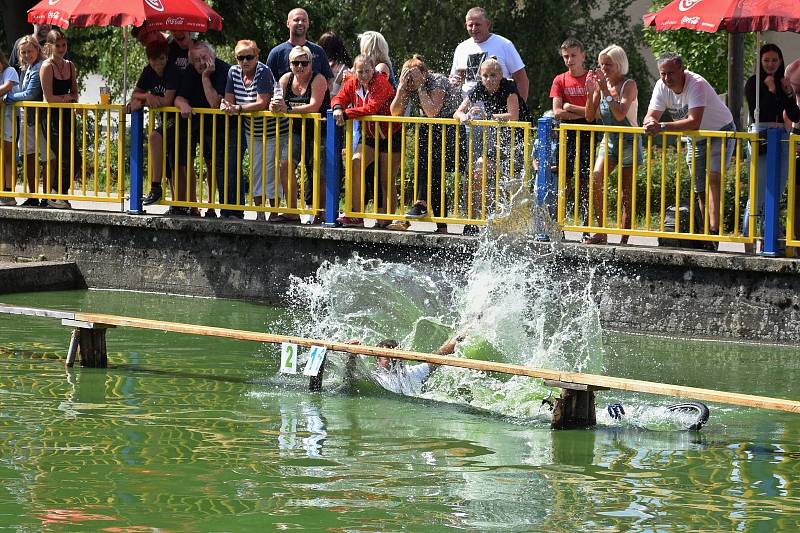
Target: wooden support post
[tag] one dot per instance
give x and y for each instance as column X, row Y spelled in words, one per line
column 73, row 348
column 91, row 343
column 575, row 408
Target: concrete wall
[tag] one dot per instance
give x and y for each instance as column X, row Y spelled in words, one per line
column 644, row 290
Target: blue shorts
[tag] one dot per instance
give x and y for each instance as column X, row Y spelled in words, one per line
column 612, row 141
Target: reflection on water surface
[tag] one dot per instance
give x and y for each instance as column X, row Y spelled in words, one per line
column 191, row 434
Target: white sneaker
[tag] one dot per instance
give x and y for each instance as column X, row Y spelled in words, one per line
column 8, row 202
column 59, row 204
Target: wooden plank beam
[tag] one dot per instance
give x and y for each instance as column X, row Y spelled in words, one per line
column 35, row 311
column 631, row 385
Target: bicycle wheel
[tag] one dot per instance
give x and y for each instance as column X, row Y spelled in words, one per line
column 698, row 409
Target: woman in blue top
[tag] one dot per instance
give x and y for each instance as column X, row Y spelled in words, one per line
column 30, row 53
column 9, row 81
column 614, row 98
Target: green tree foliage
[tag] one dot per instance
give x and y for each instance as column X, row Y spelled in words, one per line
column 704, row 53
column 433, row 29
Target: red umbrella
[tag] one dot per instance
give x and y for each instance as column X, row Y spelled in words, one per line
column 184, row 15
column 734, row 16
column 179, row 15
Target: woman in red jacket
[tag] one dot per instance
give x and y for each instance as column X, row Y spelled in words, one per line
column 369, row 93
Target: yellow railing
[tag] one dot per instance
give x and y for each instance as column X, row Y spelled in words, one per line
column 792, row 222
column 66, row 152
column 662, row 179
column 233, row 151
column 461, row 173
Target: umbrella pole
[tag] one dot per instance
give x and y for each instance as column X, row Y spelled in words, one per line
column 125, row 64
column 757, row 111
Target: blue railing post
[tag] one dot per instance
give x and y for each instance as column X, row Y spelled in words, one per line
column 333, row 169
column 137, row 162
column 544, row 187
column 775, row 136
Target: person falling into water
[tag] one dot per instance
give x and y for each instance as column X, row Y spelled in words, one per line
column 395, row 375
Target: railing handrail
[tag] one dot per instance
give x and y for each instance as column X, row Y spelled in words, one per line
column 443, row 121
column 601, row 128
column 62, row 105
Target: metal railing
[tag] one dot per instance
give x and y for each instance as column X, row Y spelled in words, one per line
column 66, row 152
column 461, row 172
column 653, row 192
column 792, row 207
column 214, row 160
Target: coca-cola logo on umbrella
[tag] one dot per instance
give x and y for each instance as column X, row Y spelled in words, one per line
column 155, row 4
column 686, row 5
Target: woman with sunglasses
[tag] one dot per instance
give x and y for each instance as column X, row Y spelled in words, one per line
column 249, row 89
column 305, row 91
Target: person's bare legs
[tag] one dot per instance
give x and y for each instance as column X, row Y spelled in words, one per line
column 597, row 199
column 389, row 182
column 626, row 199
column 8, row 166
column 712, row 193
column 356, row 165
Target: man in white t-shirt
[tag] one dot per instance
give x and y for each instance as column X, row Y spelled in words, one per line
column 694, row 105
column 480, row 46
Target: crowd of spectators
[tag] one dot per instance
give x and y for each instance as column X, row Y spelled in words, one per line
column 487, row 80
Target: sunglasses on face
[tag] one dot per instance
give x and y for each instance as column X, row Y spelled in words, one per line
column 247, row 57
column 299, row 63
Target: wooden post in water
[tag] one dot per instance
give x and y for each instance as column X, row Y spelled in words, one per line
column 91, row 338
column 315, row 382
column 575, row 408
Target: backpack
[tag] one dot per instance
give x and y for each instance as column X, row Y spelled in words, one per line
column 669, row 226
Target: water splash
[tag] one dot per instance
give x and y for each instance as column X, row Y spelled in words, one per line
column 519, row 303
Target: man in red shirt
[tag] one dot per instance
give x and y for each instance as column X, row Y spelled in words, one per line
column 569, row 106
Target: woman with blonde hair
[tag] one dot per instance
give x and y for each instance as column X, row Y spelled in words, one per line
column 29, row 52
column 613, row 98
column 373, row 45
column 305, row 91
column 494, row 98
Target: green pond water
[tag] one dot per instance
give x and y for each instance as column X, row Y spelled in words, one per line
column 186, row 433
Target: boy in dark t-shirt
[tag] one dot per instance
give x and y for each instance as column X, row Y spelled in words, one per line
column 156, row 88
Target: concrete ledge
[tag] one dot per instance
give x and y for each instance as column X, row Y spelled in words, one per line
column 655, row 290
column 40, row 276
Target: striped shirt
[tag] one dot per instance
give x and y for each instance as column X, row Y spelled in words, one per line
column 263, row 83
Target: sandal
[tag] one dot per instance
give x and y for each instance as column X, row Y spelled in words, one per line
column 350, row 222
column 399, row 225
column 597, row 238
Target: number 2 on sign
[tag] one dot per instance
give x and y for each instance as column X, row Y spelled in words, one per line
column 315, row 358
column 288, row 358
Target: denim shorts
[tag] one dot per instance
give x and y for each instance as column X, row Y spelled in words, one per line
column 627, row 149
column 697, row 148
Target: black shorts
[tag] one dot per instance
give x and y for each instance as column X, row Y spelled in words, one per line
column 383, row 144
